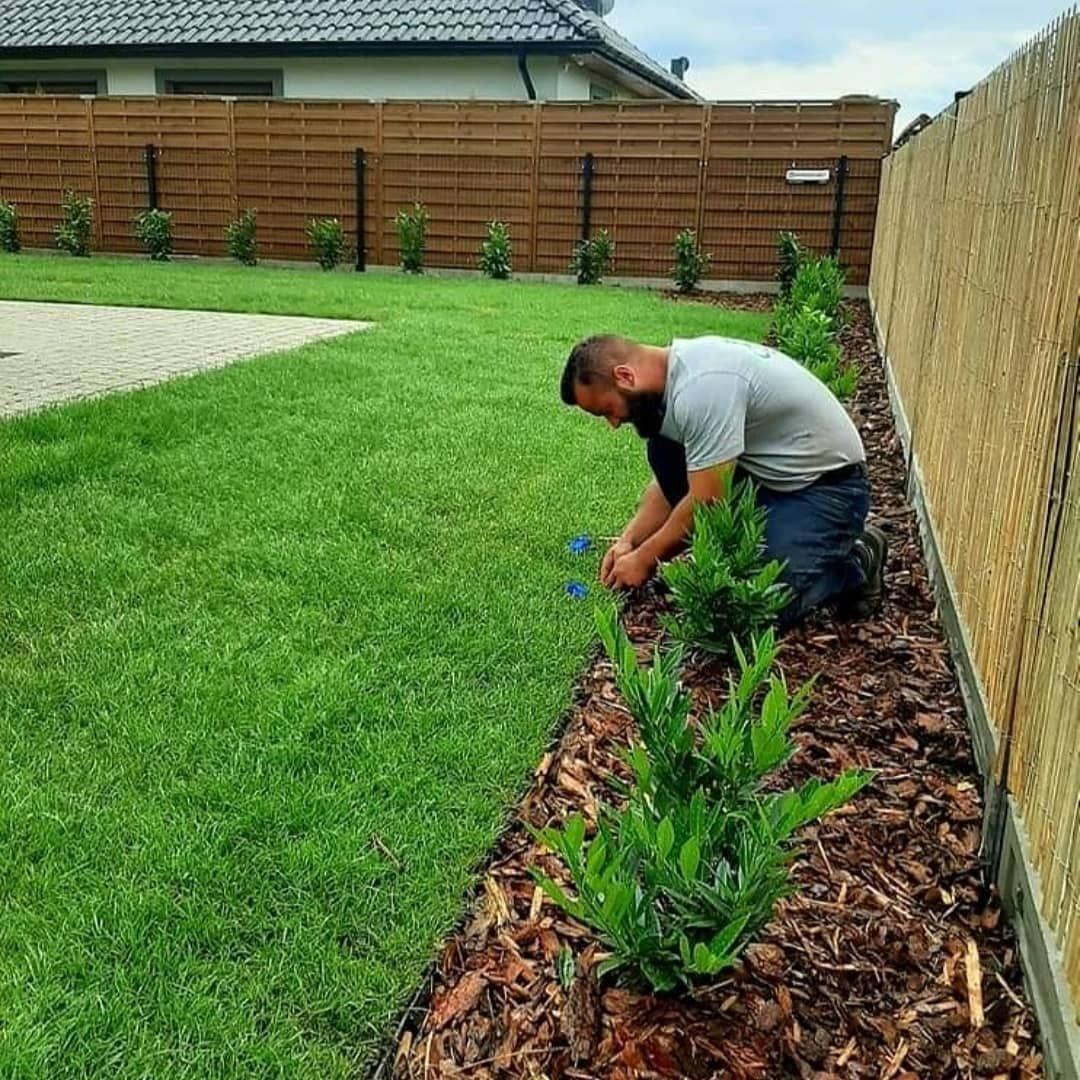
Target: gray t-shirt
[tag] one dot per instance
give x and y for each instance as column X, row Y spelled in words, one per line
column 727, row 399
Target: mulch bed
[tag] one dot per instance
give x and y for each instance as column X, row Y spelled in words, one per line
column 891, row 961
column 756, row 301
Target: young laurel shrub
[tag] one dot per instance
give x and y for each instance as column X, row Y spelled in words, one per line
column 9, row 226
column 496, row 252
column 592, row 258
column 789, row 257
column 327, row 239
column 153, row 229
column 412, row 228
column 724, row 592
column 240, row 238
column 76, row 220
column 819, row 284
column 691, row 263
column 680, row 880
column 809, row 336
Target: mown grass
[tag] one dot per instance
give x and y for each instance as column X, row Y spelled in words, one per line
column 278, row 646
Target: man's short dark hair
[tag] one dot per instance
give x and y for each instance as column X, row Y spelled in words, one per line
column 590, row 364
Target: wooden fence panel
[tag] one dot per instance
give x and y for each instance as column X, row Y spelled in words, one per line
column 976, row 280
column 659, row 167
column 44, row 150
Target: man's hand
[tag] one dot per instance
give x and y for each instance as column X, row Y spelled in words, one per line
column 614, row 553
column 632, row 570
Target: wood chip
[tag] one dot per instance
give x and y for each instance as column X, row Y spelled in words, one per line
column 892, row 1067
column 458, row 1000
column 846, row 1054
column 496, row 901
column 974, row 986
column 537, row 904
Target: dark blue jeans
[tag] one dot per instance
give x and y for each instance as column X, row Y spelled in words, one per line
column 813, row 530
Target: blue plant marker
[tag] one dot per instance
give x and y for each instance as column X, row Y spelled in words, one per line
column 580, row 544
column 576, row 591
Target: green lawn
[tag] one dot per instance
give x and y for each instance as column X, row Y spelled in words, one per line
column 258, row 628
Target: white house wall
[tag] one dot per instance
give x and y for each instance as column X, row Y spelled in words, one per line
column 454, row 77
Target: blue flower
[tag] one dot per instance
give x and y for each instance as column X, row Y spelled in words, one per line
column 580, row 544
column 576, row 591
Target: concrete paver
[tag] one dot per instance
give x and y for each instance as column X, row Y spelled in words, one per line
column 56, row 352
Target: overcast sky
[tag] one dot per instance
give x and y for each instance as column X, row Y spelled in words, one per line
column 917, row 52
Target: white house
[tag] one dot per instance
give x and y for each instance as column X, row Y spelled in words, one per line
column 553, row 50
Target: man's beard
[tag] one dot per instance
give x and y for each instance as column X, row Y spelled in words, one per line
column 645, row 410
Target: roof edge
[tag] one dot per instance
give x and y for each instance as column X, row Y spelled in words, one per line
column 292, row 48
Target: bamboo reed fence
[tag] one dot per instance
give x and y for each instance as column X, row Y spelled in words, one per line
column 975, row 282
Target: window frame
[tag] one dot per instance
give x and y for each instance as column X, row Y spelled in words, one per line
column 166, row 78
column 97, row 76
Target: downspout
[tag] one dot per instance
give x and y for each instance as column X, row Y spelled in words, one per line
column 526, row 78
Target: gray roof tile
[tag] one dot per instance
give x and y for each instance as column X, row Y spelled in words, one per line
column 73, row 24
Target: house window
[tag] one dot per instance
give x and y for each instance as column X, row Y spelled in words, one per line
column 52, row 82
column 210, row 83
column 599, row 92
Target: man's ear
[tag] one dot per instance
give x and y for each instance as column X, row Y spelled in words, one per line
column 624, row 376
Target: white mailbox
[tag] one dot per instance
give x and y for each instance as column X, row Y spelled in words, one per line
column 808, row 176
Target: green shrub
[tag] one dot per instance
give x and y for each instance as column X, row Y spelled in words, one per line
column 723, row 590
column 691, row 263
column 681, row 879
column 327, row 238
column 9, row 226
column 412, row 228
column 76, row 220
column 819, row 284
column 496, row 252
column 153, row 229
column 240, row 238
column 592, row 258
column 789, row 257
column 809, row 336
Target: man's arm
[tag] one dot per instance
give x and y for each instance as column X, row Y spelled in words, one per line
column 652, row 512
column 637, row 566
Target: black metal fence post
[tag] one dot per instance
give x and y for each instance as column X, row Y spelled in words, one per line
column 151, row 176
column 361, row 240
column 838, row 208
column 586, row 195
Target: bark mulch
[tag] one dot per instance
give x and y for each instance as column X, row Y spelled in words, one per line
column 890, row 962
column 755, row 301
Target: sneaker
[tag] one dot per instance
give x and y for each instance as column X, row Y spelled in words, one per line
column 872, row 551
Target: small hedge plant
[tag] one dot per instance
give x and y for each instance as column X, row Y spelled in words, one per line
column 327, row 239
column 592, row 258
column 679, row 880
column 724, row 591
column 691, row 263
column 496, row 252
column 412, row 230
column 240, row 238
column 76, row 221
column 789, row 258
column 805, row 324
column 153, row 229
column 9, row 227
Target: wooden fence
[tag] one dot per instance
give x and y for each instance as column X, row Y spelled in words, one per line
column 657, row 168
column 975, row 282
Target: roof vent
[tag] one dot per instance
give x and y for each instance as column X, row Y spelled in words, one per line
column 679, row 67
column 598, row 7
